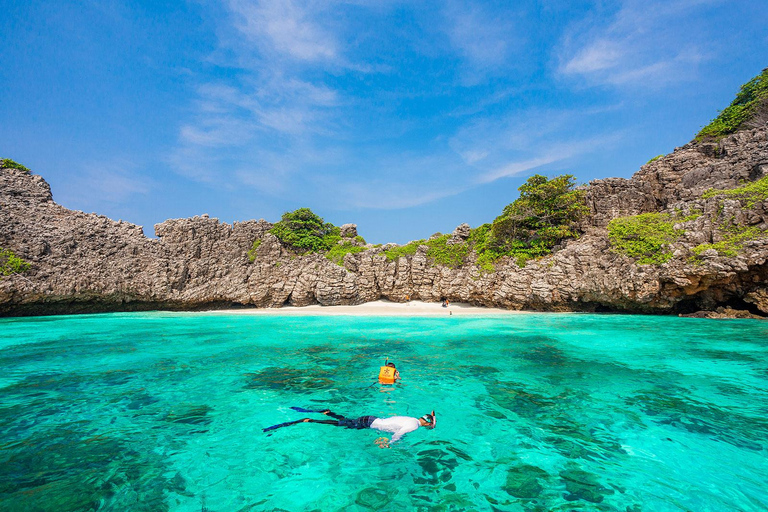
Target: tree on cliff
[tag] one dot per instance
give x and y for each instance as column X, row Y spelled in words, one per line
column 546, row 213
column 303, row 231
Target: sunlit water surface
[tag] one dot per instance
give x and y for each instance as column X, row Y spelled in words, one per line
column 164, row 411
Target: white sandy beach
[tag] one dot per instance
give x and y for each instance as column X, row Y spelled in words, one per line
column 380, row 308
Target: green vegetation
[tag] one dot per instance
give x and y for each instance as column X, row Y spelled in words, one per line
column 337, row 252
column 734, row 236
column 546, row 213
column 408, row 249
column 751, row 104
column 654, row 159
column 303, row 232
column 252, row 252
column 439, row 251
column 750, row 193
column 647, row 236
column 7, row 163
column 486, row 255
column 644, row 237
column 732, row 242
column 11, row 264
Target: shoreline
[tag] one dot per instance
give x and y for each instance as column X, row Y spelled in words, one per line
column 378, row 308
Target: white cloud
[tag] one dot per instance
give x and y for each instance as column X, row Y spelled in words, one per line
column 496, row 148
column 602, row 54
column 279, row 128
column 645, row 43
column 517, row 168
column 289, row 27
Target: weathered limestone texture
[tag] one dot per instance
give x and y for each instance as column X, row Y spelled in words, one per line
column 87, row 262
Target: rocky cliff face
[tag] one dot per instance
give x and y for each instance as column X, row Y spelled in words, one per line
column 86, row 262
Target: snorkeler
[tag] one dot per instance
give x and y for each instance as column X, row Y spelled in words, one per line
column 388, row 374
column 397, row 425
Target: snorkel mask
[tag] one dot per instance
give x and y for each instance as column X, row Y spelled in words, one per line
column 430, row 419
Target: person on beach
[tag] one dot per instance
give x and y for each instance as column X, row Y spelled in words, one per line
column 397, row 425
column 388, row 374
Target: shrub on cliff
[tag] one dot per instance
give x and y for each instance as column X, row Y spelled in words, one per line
column 750, row 193
column 645, row 237
column 546, row 213
column 252, row 252
column 7, row 163
column 11, row 264
column 399, row 251
column 439, row 251
column 303, row 231
column 749, row 109
column 337, row 252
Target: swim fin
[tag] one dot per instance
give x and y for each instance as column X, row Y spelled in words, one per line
column 301, row 409
column 286, row 424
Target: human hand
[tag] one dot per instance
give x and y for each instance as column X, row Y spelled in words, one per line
column 383, row 442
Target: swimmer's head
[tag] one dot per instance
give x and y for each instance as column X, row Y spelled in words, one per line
column 391, row 365
column 429, row 420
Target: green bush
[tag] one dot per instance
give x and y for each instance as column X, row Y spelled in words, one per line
column 337, row 252
column 644, row 237
column 750, row 193
column 440, row 252
column 303, row 232
column 751, row 102
column 546, row 213
column 408, row 249
column 486, row 255
column 252, row 251
column 7, row 163
column 733, row 240
column 12, row 264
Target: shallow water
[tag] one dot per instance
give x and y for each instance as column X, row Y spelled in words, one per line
column 164, row 411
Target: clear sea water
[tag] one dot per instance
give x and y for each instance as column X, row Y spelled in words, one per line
column 164, row 411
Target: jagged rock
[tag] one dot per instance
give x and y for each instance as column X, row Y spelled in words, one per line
column 348, row 230
column 86, row 262
column 759, row 298
column 460, row 234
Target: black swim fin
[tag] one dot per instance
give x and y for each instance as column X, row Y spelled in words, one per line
column 286, row 424
column 301, row 409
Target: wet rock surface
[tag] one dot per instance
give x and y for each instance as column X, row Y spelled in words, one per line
column 90, row 263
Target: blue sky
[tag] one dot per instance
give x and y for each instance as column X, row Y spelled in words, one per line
column 406, row 118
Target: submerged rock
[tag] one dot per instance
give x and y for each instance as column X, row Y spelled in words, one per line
column 582, row 485
column 374, row 498
column 524, row 481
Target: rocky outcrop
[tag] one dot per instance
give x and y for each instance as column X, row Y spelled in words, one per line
column 86, row 262
column 348, row 230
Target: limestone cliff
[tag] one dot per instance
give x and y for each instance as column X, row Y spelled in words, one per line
column 86, row 262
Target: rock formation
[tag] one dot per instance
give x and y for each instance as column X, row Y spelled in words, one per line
column 87, row 262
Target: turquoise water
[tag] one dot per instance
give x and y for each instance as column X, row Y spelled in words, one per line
column 164, row 411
